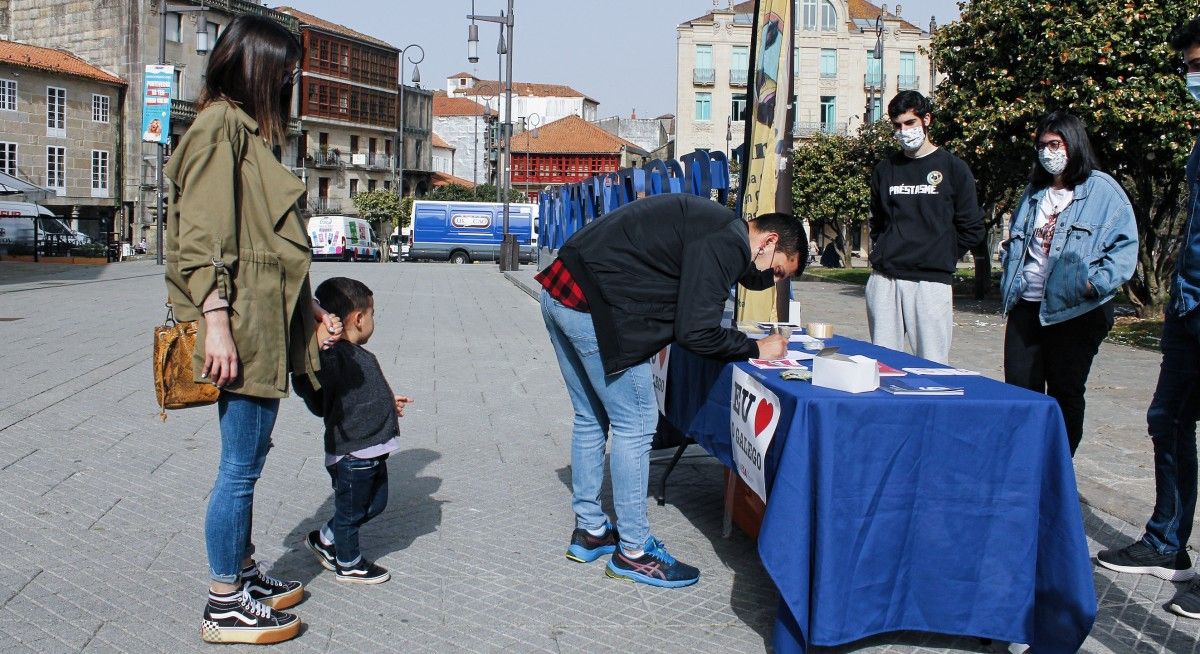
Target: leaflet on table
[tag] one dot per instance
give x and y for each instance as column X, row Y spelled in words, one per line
column 778, row 364
column 933, row 372
column 887, row 371
column 899, row 387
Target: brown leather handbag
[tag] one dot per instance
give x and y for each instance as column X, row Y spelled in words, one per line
column 174, row 386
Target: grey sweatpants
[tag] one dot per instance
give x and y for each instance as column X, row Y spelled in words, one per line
column 917, row 314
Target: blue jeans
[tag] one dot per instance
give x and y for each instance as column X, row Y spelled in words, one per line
column 623, row 402
column 360, row 492
column 1172, row 425
column 246, row 424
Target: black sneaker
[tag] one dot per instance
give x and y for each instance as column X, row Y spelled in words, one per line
column 1187, row 603
column 273, row 592
column 243, row 619
column 655, row 566
column 1141, row 558
column 363, row 572
column 326, row 554
column 586, row 548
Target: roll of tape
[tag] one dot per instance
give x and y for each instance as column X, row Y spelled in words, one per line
column 820, row 329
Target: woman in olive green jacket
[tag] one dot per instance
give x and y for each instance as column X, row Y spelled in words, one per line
column 237, row 260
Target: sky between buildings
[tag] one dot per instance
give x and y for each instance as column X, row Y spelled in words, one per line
column 619, row 52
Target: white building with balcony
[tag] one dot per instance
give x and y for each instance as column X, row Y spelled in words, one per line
column 835, row 70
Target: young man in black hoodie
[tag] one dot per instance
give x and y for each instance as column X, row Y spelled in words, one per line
column 924, row 217
column 627, row 285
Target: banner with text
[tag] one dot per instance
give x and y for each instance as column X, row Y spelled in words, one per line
column 156, row 104
column 753, row 417
column 658, row 370
column 766, row 179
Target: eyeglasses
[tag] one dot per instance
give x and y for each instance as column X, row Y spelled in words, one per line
column 1054, row 145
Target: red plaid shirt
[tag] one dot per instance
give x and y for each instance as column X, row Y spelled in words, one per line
column 556, row 279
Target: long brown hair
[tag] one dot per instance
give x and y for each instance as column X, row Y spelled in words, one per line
column 251, row 66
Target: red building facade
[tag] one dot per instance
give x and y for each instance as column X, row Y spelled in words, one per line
column 566, row 151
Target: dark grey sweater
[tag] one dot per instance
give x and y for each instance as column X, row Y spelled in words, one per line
column 355, row 400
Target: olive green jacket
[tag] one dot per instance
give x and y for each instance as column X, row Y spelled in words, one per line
column 233, row 226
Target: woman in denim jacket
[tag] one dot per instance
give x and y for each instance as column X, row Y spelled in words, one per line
column 1072, row 244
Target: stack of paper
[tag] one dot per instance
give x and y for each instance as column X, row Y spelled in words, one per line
column 899, row 387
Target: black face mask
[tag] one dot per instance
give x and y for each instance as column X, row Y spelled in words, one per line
column 758, row 280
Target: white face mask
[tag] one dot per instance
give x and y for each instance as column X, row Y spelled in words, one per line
column 1054, row 161
column 911, row 139
column 1193, row 85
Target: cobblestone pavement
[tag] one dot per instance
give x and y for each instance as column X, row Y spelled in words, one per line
column 101, row 503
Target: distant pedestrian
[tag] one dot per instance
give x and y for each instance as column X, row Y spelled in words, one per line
column 814, row 251
column 655, row 271
column 924, row 218
column 237, row 260
column 1072, row 244
column 361, row 431
column 1163, row 550
column 142, row 246
column 830, row 257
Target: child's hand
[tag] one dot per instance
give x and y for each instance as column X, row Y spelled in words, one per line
column 324, row 338
column 401, row 400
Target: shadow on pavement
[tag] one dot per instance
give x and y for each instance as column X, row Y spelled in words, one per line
column 411, row 513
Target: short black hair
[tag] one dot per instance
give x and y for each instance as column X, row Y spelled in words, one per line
column 1081, row 160
column 342, row 296
column 791, row 232
column 909, row 101
column 1186, row 35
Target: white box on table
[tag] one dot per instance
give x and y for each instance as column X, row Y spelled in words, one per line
column 852, row 374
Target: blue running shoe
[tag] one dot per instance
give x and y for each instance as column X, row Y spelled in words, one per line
column 655, row 567
column 586, row 548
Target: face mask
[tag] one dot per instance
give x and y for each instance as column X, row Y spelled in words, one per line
column 1193, row 85
column 911, row 139
column 758, row 280
column 1054, row 161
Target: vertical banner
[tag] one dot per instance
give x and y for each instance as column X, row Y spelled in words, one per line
column 156, row 104
column 766, row 179
column 753, row 417
column 658, row 372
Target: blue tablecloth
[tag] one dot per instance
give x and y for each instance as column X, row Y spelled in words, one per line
column 954, row 515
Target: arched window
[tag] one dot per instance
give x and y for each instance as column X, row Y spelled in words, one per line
column 810, row 15
column 828, row 17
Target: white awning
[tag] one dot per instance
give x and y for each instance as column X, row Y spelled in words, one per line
column 10, row 185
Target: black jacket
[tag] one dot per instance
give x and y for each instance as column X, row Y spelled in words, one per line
column 924, row 216
column 355, row 400
column 658, row 271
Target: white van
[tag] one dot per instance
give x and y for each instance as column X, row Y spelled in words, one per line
column 17, row 224
column 342, row 238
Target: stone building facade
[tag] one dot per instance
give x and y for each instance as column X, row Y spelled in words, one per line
column 835, row 70
column 469, row 128
column 60, row 128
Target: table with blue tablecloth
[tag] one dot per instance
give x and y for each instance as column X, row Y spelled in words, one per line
column 945, row 514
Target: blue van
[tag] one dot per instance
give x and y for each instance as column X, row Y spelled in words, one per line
column 462, row 232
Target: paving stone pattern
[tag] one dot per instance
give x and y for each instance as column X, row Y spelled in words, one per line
column 102, row 504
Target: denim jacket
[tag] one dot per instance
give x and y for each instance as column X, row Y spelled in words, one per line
column 1094, row 241
column 1185, row 290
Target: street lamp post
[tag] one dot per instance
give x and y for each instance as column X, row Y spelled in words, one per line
column 398, row 161
column 509, row 259
column 202, row 45
column 878, row 56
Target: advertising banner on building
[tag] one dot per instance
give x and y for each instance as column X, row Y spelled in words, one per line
column 766, row 178
column 753, row 417
column 156, row 104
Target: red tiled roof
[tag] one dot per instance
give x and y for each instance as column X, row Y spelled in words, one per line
column 309, row 20
column 442, row 179
column 55, row 61
column 439, row 142
column 570, row 135
column 491, row 88
column 457, row 75
column 444, row 105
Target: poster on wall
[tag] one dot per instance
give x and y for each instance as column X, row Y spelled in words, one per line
column 156, row 104
column 753, row 417
column 766, row 186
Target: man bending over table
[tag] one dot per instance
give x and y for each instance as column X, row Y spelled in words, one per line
column 653, row 272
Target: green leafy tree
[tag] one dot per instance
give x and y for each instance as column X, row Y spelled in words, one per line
column 381, row 208
column 831, row 177
column 1008, row 62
